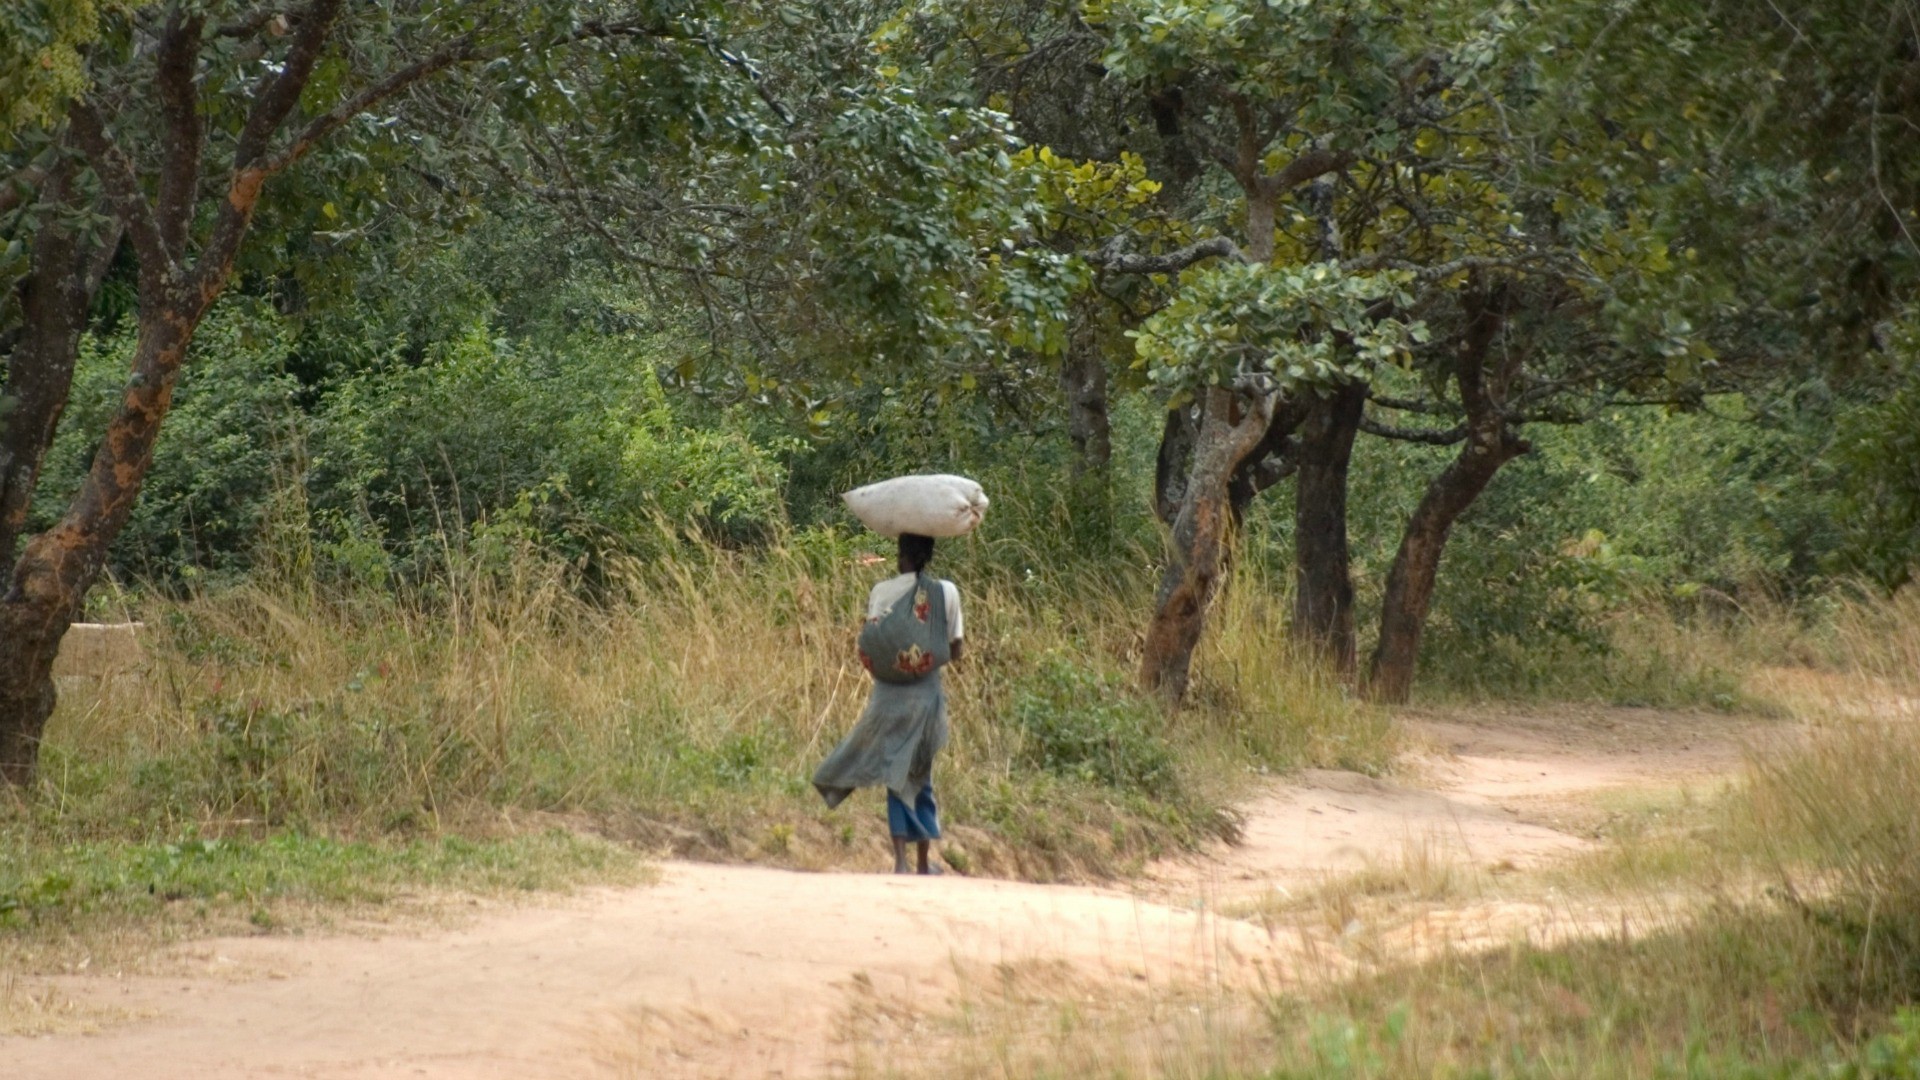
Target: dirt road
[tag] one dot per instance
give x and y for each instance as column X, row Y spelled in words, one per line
column 743, row 971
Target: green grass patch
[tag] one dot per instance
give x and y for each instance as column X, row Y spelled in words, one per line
column 53, row 887
column 1753, row 993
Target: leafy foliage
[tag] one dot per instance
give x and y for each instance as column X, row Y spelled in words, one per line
column 1079, row 725
column 1301, row 327
column 921, row 195
column 575, row 443
column 1876, row 459
column 485, row 423
column 43, row 58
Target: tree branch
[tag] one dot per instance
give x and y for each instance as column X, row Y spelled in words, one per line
column 179, row 105
column 1526, row 261
column 243, row 192
column 158, row 269
column 1246, row 145
column 1429, row 436
column 457, row 51
column 1112, row 259
column 1311, row 165
column 1486, row 310
column 337, row 117
column 1412, row 405
column 276, row 99
column 745, row 67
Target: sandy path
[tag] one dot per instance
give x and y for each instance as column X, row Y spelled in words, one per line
column 1494, row 789
column 742, row 971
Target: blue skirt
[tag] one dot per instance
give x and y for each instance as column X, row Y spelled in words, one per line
column 920, row 822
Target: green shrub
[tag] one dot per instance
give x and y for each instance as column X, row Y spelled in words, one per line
column 1690, row 517
column 1877, row 457
column 1081, row 724
column 578, row 446
column 1891, row 1055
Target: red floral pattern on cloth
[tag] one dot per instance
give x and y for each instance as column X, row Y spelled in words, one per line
column 921, row 607
column 914, row 660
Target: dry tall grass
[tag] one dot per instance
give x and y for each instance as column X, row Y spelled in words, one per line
column 1279, row 704
column 1880, row 638
column 683, row 704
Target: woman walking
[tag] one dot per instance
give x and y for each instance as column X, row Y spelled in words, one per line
column 913, row 628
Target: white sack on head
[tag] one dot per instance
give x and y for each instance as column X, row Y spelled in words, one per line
column 936, row 505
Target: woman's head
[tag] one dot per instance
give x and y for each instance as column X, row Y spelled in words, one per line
column 916, row 552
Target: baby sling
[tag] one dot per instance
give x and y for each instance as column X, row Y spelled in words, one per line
column 909, row 640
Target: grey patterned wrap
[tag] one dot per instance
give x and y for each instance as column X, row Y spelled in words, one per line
column 903, row 727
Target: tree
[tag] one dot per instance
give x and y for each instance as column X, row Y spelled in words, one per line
column 1785, row 133
column 191, row 113
column 884, row 231
column 1316, row 135
column 1313, row 116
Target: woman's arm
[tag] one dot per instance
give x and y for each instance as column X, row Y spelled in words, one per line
column 956, row 621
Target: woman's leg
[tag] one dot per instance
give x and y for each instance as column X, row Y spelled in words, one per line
column 926, row 814
column 920, row 824
column 899, row 823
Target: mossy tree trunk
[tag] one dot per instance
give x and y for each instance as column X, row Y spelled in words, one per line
column 1228, row 429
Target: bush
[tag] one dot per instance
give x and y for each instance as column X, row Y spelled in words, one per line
column 1080, row 724
column 581, row 444
column 1877, row 457
column 1686, row 516
column 1837, row 817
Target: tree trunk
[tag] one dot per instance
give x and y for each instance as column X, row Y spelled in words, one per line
column 1227, row 432
column 1272, row 459
column 55, row 301
column 57, row 567
column 1490, row 444
column 1083, row 381
column 53, row 572
column 1403, row 614
column 1323, row 587
column 1174, row 461
column 32, row 635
